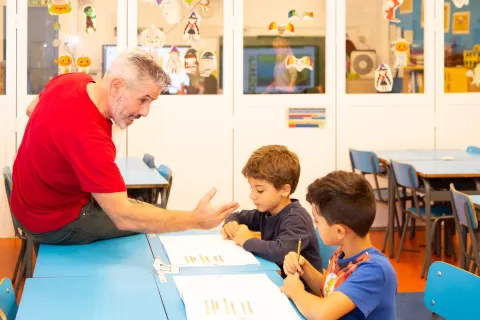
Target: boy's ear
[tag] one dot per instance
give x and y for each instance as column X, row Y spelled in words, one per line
column 286, row 190
column 340, row 231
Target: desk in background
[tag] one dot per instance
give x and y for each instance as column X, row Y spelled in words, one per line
column 94, row 298
column 159, row 251
column 137, row 175
column 122, row 256
column 174, row 307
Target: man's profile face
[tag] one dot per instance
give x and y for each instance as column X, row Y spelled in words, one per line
column 128, row 104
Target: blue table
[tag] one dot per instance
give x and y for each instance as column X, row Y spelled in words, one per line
column 476, row 202
column 458, row 154
column 174, row 305
column 159, row 251
column 400, row 155
column 136, row 174
column 447, row 169
column 122, row 256
column 101, row 297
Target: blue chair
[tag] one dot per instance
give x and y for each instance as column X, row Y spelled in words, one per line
column 473, row 149
column 405, row 176
column 467, row 226
column 23, row 267
column 166, row 173
column 367, row 163
column 451, row 292
column 326, row 252
column 8, row 301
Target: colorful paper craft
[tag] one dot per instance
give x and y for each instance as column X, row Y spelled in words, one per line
column 299, row 64
column 391, row 7
column 208, row 63
column 298, row 15
column 57, row 7
column 192, row 32
column 383, row 78
column 287, row 29
column 401, row 50
column 90, row 17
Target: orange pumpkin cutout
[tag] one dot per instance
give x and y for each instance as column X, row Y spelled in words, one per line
column 65, row 63
column 83, row 64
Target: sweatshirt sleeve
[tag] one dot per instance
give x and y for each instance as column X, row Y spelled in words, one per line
column 250, row 218
column 292, row 229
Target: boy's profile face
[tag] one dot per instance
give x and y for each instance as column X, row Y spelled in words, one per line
column 266, row 197
column 329, row 234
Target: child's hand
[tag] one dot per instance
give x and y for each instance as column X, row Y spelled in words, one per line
column 292, row 264
column 242, row 234
column 292, row 285
column 230, row 229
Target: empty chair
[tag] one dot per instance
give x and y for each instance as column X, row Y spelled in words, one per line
column 451, row 292
column 165, row 172
column 404, row 175
column 367, row 163
column 467, row 226
column 23, row 267
column 8, row 301
column 473, row 149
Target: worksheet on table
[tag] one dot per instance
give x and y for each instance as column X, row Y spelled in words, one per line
column 228, row 297
column 205, row 251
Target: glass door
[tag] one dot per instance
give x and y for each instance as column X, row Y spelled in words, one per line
column 189, row 127
column 284, row 77
column 57, row 37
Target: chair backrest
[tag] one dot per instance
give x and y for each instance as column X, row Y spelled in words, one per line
column 404, row 174
column 463, row 208
column 365, row 161
column 7, row 178
column 149, row 160
column 473, row 149
column 8, row 301
column 326, row 252
column 166, row 172
column 451, row 292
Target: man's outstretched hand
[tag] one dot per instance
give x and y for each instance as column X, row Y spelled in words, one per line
column 210, row 217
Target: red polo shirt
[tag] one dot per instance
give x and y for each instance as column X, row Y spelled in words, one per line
column 66, row 153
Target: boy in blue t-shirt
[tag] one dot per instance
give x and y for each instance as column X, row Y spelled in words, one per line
column 360, row 282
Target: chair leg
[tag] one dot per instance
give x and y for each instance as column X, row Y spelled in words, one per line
column 28, row 258
column 404, row 231
column 412, row 229
column 22, row 272
column 20, row 257
column 428, row 258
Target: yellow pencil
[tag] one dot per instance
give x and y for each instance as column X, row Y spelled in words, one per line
column 298, row 249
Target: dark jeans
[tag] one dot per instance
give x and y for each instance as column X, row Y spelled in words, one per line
column 92, row 224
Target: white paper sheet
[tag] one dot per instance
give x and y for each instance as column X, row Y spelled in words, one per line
column 245, row 296
column 205, row 251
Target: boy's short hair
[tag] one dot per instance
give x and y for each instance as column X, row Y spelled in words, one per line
column 344, row 198
column 275, row 164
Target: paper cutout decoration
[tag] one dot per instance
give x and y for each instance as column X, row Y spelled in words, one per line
column 298, row 15
column 170, row 11
column 191, row 32
column 383, row 78
column 460, row 3
column 159, row 2
column 56, row 7
column 475, row 75
column 191, row 61
column 173, row 63
column 390, row 7
column 189, row 3
column 83, row 64
column 56, row 43
column 401, row 50
column 208, row 63
column 299, row 64
column 90, row 17
column 204, row 5
column 65, row 64
column 287, row 29
column 56, row 26
column 152, row 37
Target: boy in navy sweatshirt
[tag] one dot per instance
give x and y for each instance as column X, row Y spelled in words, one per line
column 273, row 173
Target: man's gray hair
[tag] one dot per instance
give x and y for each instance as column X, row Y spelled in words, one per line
column 138, row 67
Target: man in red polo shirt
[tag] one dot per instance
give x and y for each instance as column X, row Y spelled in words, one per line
column 67, row 187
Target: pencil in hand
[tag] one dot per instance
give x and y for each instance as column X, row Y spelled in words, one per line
column 298, row 249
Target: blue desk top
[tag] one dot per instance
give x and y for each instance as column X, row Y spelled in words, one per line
column 135, row 173
column 159, row 251
column 447, row 169
column 126, row 255
column 458, row 154
column 101, row 297
column 400, row 155
column 174, row 305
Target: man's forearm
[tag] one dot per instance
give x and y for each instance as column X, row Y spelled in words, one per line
column 146, row 218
